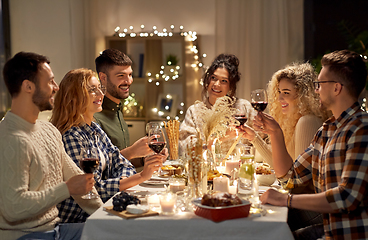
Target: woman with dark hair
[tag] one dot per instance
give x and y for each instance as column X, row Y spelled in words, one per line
column 219, row 80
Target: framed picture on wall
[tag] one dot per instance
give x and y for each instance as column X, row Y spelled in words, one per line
column 167, row 104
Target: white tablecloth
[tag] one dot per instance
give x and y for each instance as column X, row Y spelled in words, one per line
column 186, row 225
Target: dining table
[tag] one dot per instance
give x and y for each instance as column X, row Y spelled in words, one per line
column 272, row 224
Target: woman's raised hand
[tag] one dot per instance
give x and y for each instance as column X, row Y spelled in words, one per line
column 264, row 123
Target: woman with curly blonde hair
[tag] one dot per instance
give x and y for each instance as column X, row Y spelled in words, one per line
column 79, row 97
column 294, row 104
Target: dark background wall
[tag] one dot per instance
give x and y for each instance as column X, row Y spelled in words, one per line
column 323, row 25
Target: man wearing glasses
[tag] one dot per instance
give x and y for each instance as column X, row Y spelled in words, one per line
column 337, row 159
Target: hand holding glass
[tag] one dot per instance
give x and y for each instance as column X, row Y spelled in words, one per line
column 89, row 163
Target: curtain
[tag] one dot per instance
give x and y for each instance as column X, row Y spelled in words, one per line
column 264, row 34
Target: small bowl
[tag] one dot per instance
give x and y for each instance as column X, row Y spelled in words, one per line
column 218, row 214
column 266, row 179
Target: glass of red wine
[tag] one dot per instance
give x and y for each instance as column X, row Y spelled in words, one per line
column 156, row 139
column 89, row 162
column 259, row 99
column 241, row 115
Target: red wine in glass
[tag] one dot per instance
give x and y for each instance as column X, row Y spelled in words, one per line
column 89, row 165
column 89, row 162
column 259, row 99
column 157, row 146
column 259, row 106
column 241, row 118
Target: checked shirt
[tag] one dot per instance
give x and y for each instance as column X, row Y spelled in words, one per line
column 337, row 163
column 107, row 182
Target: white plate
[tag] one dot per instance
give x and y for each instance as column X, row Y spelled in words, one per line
column 156, row 182
column 172, row 162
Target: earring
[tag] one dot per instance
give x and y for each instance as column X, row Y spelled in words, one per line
column 229, row 93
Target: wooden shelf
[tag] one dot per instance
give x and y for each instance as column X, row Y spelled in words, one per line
column 148, row 55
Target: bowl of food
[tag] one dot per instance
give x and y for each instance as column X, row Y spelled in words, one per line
column 265, row 175
column 221, row 206
column 170, row 170
column 211, row 174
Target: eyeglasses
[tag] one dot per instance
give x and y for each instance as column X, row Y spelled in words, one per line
column 95, row 91
column 317, row 83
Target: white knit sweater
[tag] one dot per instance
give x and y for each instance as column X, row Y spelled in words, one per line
column 33, row 168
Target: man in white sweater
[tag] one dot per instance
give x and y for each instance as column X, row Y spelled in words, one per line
column 35, row 172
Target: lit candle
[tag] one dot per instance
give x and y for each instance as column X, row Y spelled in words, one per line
column 153, row 202
column 233, row 188
column 168, row 203
column 221, row 184
column 230, row 165
column 176, row 184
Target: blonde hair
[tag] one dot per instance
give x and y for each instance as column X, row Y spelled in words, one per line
column 302, row 76
column 71, row 101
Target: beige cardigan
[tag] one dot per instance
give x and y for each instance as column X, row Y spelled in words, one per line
column 305, row 130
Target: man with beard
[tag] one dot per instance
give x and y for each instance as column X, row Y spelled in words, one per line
column 114, row 69
column 36, row 173
column 337, row 159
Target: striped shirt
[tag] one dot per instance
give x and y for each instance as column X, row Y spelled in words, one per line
column 107, row 181
column 337, row 163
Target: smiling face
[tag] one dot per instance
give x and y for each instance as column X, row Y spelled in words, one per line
column 287, row 96
column 219, row 85
column 46, row 87
column 117, row 82
column 95, row 97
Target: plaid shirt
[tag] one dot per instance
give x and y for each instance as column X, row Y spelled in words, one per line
column 107, row 182
column 337, row 163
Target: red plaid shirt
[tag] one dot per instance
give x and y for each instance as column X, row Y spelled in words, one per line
column 337, row 163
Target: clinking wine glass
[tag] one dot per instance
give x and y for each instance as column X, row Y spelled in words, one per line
column 241, row 115
column 259, row 99
column 156, row 139
column 89, row 163
column 151, row 125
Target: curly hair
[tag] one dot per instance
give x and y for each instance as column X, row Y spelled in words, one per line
column 71, row 101
column 228, row 61
column 302, row 76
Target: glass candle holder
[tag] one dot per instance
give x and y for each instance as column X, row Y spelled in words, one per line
column 168, row 203
column 153, row 201
column 176, row 184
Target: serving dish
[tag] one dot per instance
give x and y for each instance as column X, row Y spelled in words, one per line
column 218, row 214
column 266, row 179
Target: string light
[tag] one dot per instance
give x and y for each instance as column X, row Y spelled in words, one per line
column 169, row 72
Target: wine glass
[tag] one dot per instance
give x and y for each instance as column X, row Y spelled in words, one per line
column 151, row 125
column 89, row 162
column 156, row 139
column 259, row 99
column 241, row 115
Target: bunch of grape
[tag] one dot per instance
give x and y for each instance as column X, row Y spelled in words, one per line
column 122, row 200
